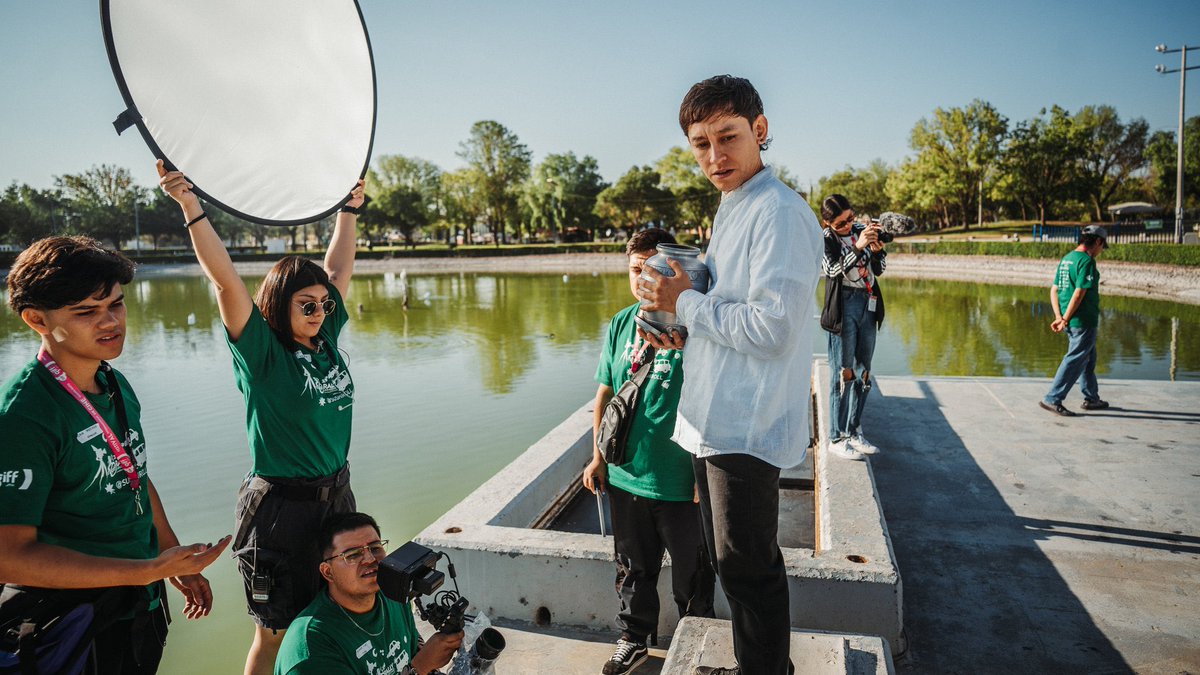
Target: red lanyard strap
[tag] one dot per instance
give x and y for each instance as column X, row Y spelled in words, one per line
column 114, row 443
column 862, row 262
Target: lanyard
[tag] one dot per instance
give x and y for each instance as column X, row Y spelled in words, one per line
column 114, row 444
column 866, row 273
column 636, row 357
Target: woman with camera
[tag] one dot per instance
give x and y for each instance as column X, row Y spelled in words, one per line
column 854, row 258
column 299, row 398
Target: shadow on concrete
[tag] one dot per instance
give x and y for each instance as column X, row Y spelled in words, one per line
column 980, row 596
column 1175, row 542
column 1135, row 414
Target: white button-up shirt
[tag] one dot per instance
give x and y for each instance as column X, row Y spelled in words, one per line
column 748, row 355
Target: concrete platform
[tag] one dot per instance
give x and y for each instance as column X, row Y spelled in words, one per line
column 709, row 642
column 1034, row 543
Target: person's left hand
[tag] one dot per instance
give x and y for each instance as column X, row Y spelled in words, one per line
column 197, row 595
column 660, row 292
column 1058, row 325
column 356, row 196
column 437, row 652
column 875, row 246
column 669, row 340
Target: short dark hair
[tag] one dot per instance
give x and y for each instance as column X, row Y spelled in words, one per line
column 58, row 271
column 647, row 240
column 274, row 296
column 1089, row 240
column 722, row 94
column 833, row 206
column 337, row 523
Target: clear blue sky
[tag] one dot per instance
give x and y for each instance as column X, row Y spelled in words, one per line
column 843, row 82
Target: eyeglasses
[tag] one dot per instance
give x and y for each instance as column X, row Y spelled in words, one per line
column 355, row 556
column 310, row 308
column 849, row 220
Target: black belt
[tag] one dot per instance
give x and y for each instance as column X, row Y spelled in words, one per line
column 854, row 289
column 336, row 485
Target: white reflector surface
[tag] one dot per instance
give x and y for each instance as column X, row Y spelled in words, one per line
column 268, row 106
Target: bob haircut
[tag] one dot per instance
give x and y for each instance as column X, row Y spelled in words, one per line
column 647, row 240
column 274, row 296
column 721, row 95
column 833, row 206
column 58, row 271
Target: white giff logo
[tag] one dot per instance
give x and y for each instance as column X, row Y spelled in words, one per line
column 11, row 478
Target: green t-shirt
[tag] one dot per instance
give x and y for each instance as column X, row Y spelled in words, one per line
column 324, row 639
column 657, row 467
column 298, row 401
column 1078, row 270
column 59, row 475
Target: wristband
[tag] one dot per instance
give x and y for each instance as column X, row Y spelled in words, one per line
column 195, row 220
column 349, row 209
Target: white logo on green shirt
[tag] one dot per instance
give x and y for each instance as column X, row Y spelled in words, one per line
column 18, row 478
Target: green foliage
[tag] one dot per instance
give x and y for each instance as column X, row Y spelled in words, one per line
column 696, row 198
column 561, row 193
column 498, row 165
column 1162, row 152
column 103, row 197
column 1167, row 254
column 1040, row 164
column 404, row 196
column 27, row 214
column 866, row 188
column 956, row 151
column 636, row 200
column 1112, row 153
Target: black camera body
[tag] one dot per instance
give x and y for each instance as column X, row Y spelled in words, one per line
column 410, row 572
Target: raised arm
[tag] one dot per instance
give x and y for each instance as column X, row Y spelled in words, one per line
column 339, row 259
column 233, row 299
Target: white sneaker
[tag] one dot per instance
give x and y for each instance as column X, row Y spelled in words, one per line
column 861, row 444
column 842, row 449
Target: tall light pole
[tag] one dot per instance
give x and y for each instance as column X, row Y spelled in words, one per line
column 1183, row 68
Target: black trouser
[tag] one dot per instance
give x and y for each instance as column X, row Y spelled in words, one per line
column 132, row 646
column 739, row 505
column 642, row 528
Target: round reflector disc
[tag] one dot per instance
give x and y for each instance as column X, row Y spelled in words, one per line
column 268, row 106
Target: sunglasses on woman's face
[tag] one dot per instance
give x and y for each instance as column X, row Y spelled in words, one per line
column 310, row 308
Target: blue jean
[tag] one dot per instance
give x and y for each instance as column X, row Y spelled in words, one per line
column 852, row 349
column 1080, row 360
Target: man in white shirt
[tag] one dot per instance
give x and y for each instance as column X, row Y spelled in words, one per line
column 743, row 412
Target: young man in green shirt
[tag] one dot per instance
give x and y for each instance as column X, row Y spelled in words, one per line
column 77, row 507
column 351, row 627
column 653, row 494
column 1075, row 297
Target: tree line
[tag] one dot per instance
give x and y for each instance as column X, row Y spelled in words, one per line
column 968, row 162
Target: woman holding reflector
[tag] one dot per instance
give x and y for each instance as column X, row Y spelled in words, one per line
column 298, row 396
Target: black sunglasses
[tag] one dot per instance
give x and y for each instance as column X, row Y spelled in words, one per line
column 310, row 308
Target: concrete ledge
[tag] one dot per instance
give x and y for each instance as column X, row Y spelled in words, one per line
column 513, row 571
column 709, row 642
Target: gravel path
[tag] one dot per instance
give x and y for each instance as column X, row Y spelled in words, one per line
column 1163, row 282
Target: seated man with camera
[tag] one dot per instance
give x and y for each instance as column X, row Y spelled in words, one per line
column 351, row 627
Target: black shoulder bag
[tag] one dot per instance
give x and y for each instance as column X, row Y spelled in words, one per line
column 831, row 313
column 612, row 437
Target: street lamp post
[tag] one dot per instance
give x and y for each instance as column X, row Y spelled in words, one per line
column 1183, row 68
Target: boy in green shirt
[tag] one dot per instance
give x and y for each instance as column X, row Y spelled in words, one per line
column 77, row 507
column 653, row 493
column 351, row 628
column 1075, row 297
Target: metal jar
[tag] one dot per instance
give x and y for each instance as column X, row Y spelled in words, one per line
column 688, row 258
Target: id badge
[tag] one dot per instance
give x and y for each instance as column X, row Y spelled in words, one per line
column 871, row 304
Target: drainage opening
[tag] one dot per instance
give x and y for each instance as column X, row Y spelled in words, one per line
column 856, row 559
column 541, row 617
column 453, row 530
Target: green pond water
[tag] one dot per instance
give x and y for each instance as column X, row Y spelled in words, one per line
column 482, row 365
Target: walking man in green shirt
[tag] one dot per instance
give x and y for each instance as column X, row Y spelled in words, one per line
column 1075, row 297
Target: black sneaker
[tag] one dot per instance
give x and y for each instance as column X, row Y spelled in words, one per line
column 628, row 656
column 716, row 670
column 1094, row 405
column 1058, row 409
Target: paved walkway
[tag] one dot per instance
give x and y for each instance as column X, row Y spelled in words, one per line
column 1033, row 543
